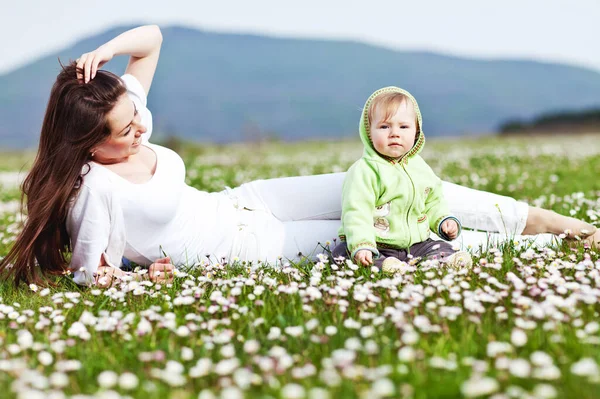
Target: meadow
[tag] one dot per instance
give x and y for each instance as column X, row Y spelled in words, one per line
column 522, row 323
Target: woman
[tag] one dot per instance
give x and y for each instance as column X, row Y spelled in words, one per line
column 98, row 188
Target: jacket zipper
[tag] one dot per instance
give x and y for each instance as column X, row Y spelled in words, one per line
column 409, row 208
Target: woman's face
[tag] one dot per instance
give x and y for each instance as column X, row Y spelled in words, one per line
column 126, row 133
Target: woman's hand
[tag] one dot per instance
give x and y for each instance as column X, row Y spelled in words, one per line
column 91, row 62
column 106, row 276
column 161, row 271
column 142, row 44
column 450, row 228
column 364, row 257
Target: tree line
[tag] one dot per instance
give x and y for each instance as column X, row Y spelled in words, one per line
column 585, row 121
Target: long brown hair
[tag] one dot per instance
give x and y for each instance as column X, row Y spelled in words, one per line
column 75, row 122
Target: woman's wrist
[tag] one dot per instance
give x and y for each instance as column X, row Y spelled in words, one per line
column 110, row 47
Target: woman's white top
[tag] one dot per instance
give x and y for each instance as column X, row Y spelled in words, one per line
column 113, row 217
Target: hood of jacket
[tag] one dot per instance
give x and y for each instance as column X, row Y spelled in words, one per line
column 365, row 128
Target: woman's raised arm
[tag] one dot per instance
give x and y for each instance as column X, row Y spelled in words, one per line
column 143, row 46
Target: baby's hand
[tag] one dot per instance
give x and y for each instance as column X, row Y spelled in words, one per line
column 450, row 228
column 364, row 257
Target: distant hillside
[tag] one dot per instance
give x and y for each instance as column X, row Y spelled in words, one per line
column 227, row 87
column 556, row 122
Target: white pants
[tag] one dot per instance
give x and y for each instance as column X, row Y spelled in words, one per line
column 298, row 215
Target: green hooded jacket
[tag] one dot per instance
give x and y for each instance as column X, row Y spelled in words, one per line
column 391, row 203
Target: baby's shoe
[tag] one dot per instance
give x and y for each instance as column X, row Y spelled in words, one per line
column 391, row 265
column 459, row 260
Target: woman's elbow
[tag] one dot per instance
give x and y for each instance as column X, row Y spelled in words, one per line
column 158, row 34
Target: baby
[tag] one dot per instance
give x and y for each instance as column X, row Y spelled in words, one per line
column 391, row 198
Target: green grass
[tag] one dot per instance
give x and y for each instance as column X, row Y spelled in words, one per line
column 360, row 357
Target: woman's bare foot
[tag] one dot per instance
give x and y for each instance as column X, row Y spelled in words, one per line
column 541, row 221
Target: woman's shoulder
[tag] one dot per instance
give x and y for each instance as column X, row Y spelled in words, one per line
column 95, row 196
column 166, row 155
column 96, row 201
column 160, row 149
column 98, row 180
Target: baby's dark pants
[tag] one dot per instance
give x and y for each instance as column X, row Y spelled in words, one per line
column 428, row 249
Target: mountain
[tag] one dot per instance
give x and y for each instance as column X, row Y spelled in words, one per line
column 231, row 87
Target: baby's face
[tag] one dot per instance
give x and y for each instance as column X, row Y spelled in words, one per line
column 396, row 136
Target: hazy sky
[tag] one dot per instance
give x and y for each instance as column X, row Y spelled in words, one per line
column 553, row 30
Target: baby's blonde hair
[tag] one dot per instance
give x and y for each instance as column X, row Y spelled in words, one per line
column 389, row 103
